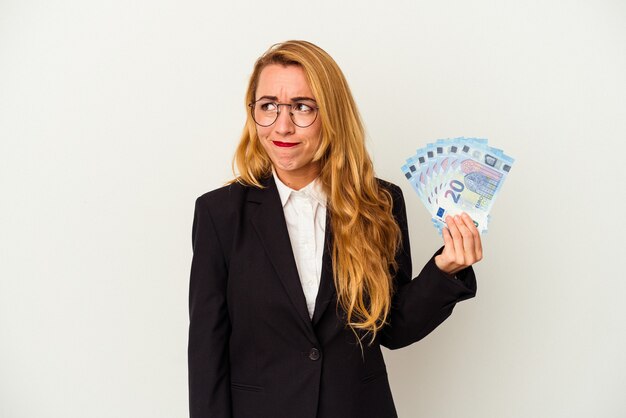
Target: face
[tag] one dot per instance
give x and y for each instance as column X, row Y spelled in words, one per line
column 290, row 147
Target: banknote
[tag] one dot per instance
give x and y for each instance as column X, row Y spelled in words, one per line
column 457, row 175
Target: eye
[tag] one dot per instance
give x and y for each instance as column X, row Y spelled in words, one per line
column 303, row 107
column 267, row 106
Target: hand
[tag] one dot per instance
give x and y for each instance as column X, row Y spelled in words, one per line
column 462, row 244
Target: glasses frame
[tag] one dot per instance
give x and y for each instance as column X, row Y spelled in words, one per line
column 278, row 105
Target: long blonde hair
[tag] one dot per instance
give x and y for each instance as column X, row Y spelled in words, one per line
column 366, row 236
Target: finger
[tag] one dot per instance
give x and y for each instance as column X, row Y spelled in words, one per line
column 468, row 240
column 478, row 249
column 457, row 240
column 469, row 222
column 478, row 245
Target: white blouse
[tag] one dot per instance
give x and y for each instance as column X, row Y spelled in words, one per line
column 305, row 213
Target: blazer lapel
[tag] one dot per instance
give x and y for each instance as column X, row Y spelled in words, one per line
column 326, row 290
column 269, row 222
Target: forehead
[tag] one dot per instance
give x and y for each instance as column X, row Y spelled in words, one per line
column 284, row 82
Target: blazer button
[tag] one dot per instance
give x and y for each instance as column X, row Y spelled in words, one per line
column 314, row 354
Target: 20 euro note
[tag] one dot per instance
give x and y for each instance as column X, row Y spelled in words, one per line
column 448, row 182
column 472, row 187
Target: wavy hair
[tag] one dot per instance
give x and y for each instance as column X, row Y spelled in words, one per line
column 366, row 236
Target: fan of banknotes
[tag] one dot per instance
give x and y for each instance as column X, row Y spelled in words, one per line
column 458, row 175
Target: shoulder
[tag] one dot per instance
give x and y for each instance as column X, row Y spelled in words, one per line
column 222, row 194
column 398, row 207
column 393, row 189
column 229, row 200
column 224, row 203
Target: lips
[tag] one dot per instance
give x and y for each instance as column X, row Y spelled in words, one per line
column 285, row 144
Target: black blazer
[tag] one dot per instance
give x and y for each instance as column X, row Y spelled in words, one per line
column 253, row 349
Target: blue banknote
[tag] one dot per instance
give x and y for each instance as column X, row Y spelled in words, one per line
column 457, row 175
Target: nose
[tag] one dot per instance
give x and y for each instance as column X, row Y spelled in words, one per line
column 284, row 125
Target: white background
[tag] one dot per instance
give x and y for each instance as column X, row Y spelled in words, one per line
column 115, row 115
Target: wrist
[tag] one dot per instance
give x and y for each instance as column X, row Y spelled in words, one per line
column 445, row 268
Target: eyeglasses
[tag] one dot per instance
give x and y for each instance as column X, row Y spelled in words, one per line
column 265, row 112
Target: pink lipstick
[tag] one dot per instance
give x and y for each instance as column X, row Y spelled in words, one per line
column 285, row 144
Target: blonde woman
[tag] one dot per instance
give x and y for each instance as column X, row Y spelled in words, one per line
column 301, row 267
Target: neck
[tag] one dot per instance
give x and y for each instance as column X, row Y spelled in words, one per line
column 298, row 179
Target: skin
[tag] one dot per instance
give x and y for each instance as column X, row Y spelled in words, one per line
column 294, row 165
column 463, row 246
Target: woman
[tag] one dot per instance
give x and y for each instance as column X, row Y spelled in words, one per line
column 301, row 267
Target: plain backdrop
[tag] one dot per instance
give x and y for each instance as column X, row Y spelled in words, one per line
column 115, row 115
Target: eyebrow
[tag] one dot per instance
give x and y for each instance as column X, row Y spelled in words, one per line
column 293, row 99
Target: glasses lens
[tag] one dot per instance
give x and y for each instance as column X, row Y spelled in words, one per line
column 265, row 112
column 303, row 113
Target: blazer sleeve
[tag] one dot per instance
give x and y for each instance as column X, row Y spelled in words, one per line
column 209, row 324
column 421, row 304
